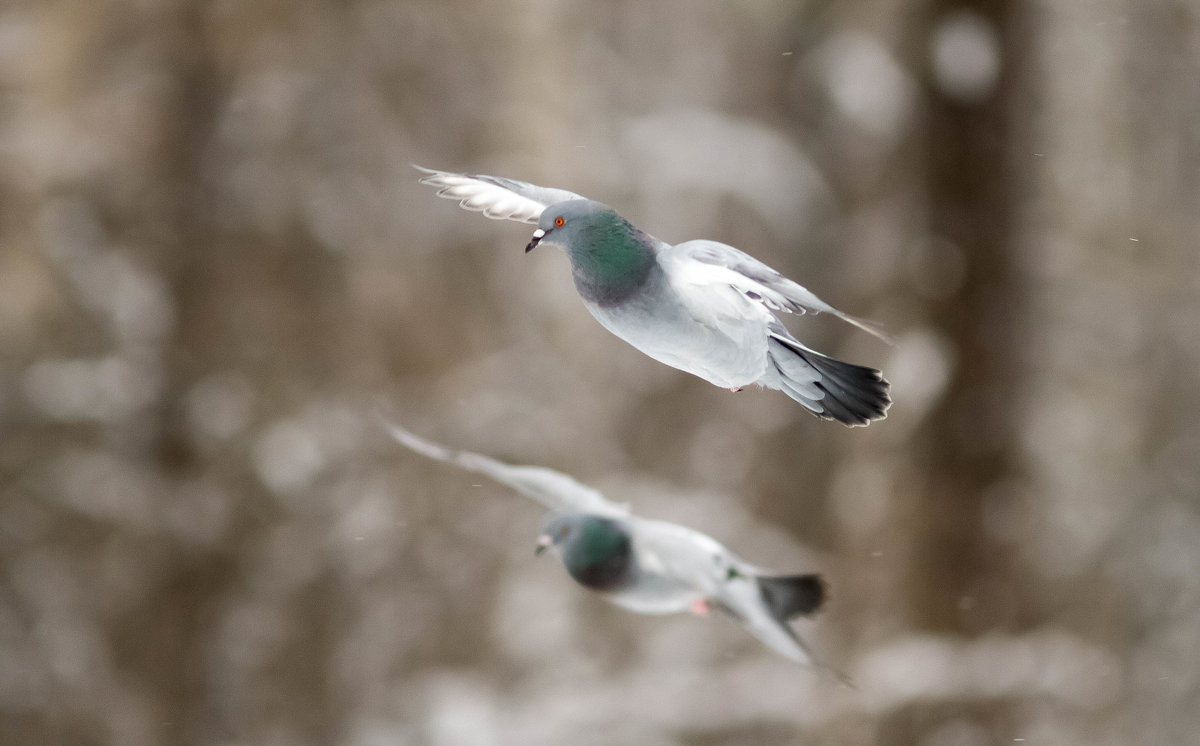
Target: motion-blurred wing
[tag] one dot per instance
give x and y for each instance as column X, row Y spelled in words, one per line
column 741, row 598
column 554, row 490
column 709, row 263
column 496, row 197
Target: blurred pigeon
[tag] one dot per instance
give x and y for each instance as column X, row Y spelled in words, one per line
column 699, row 306
column 650, row 567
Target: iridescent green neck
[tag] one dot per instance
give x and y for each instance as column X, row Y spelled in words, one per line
column 611, row 259
column 601, row 555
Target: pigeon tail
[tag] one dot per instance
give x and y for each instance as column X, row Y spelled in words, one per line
column 851, row 394
column 790, row 596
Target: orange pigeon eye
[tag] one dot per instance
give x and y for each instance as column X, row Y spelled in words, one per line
column 558, row 222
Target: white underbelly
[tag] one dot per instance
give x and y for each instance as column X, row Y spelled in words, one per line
column 726, row 357
column 656, row 594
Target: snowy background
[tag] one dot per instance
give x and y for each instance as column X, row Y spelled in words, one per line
column 216, row 263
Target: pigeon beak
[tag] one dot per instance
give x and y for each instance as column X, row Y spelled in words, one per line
column 537, row 236
column 543, row 543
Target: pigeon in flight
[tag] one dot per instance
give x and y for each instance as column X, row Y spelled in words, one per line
column 650, row 567
column 700, row 306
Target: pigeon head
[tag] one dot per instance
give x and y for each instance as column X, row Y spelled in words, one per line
column 610, row 259
column 562, row 222
column 597, row 551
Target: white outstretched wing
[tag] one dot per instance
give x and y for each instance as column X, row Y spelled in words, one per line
column 496, row 197
column 709, row 263
column 554, row 490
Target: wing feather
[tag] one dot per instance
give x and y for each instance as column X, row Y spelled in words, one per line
column 494, row 196
column 554, row 490
column 716, row 264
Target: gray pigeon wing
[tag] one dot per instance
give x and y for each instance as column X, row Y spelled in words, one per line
column 496, row 197
column 683, row 553
column 554, row 490
column 742, row 599
column 711, row 263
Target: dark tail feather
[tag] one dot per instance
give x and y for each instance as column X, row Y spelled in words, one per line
column 790, row 596
column 854, row 394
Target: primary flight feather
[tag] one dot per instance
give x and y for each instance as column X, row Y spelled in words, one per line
column 700, row 306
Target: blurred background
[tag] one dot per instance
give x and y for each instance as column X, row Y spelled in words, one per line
column 216, row 265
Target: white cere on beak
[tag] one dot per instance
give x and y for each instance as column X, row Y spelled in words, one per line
column 537, row 236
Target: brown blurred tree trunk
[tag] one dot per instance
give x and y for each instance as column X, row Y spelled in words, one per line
column 959, row 580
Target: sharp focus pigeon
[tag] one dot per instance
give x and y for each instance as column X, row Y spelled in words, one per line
column 651, row 567
column 699, row 306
